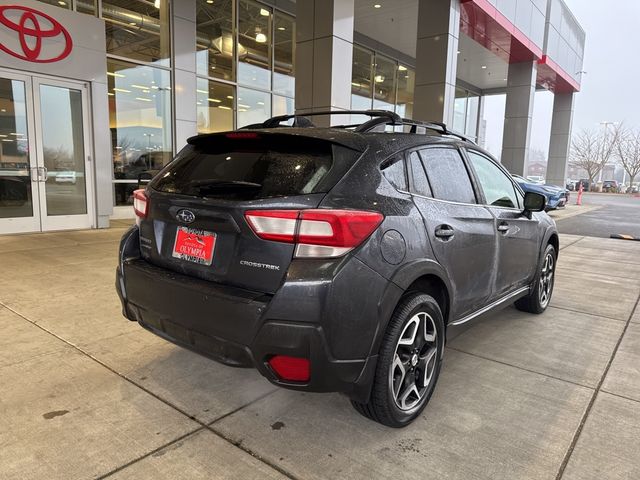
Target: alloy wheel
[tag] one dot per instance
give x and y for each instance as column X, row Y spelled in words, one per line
column 546, row 280
column 414, row 362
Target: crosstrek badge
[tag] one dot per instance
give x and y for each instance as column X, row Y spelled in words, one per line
column 194, row 245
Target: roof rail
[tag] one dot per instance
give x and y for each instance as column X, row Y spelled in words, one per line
column 378, row 118
column 275, row 122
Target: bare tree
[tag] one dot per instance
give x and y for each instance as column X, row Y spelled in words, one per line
column 628, row 152
column 591, row 150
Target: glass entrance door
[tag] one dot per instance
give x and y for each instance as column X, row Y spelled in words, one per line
column 19, row 203
column 61, row 130
column 44, row 162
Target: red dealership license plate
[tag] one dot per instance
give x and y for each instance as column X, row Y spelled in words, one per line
column 194, row 245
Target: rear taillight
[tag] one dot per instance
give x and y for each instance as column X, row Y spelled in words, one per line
column 140, row 203
column 316, row 233
column 293, row 369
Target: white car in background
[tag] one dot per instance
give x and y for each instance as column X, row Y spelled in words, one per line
column 66, row 177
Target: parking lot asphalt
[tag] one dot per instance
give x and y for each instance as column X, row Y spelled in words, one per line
column 87, row 394
column 606, row 214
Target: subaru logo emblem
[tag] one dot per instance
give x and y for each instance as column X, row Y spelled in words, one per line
column 185, row 216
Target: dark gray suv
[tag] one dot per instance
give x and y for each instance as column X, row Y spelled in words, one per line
column 334, row 259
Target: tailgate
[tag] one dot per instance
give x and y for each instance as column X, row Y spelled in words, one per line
column 195, row 222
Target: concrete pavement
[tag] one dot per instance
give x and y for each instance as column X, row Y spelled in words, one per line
column 87, row 394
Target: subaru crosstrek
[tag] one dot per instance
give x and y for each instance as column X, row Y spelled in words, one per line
column 334, row 259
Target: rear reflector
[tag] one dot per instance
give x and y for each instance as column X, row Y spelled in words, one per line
column 316, row 233
column 140, row 203
column 293, row 369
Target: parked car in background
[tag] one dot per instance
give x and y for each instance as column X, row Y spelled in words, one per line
column 254, row 247
column 67, row 176
column 570, row 185
column 610, row 186
column 557, row 197
column 586, row 185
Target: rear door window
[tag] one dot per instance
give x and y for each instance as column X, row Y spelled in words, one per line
column 255, row 167
column 448, row 175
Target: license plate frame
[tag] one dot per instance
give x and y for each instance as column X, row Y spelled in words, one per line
column 194, row 245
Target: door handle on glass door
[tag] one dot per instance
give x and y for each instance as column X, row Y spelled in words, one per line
column 35, row 174
column 45, row 172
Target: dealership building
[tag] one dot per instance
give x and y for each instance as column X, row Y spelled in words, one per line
column 97, row 95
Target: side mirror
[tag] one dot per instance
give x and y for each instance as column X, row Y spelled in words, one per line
column 534, row 202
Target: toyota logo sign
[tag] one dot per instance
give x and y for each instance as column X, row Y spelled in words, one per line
column 32, row 27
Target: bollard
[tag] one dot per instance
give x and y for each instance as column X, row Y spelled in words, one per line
column 579, row 200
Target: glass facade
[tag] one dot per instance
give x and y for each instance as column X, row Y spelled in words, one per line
column 245, row 73
column 381, row 82
column 140, row 123
column 466, row 112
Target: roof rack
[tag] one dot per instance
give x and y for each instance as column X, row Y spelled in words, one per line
column 379, row 118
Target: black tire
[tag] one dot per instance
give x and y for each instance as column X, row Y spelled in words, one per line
column 416, row 363
column 535, row 302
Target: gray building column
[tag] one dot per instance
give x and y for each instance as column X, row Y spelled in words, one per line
column 521, row 89
column 324, row 56
column 184, row 41
column 560, row 139
column 436, row 60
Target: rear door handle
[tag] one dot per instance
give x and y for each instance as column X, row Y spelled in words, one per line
column 444, row 232
column 503, row 227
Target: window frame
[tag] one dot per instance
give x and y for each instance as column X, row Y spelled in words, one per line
column 516, row 187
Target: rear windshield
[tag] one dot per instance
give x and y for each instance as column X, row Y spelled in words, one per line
column 264, row 166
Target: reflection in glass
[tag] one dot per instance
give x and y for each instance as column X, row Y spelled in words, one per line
column 460, row 110
column 283, row 105
column 384, row 80
column 361, row 82
column 473, row 107
column 63, row 150
column 86, row 6
column 253, row 106
column 254, row 44
column 215, row 39
column 15, row 182
column 215, row 106
column 284, row 54
column 406, row 87
column 138, row 29
column 140, row 122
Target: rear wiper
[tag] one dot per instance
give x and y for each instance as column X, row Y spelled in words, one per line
column 212, row 183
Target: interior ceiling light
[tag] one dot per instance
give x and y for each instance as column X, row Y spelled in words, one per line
column 156, row 3
column 282, row 29
column 379, row 78
column 377, row 5
column 264, row 12
column 260, row 37
column 402, row 68
column 484, row 67
column 209, row 2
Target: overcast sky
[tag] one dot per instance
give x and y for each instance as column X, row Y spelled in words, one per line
column 610, row 86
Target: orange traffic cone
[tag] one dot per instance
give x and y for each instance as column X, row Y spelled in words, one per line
column 579, row 200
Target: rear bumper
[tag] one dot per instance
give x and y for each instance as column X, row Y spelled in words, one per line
column 238, row 327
